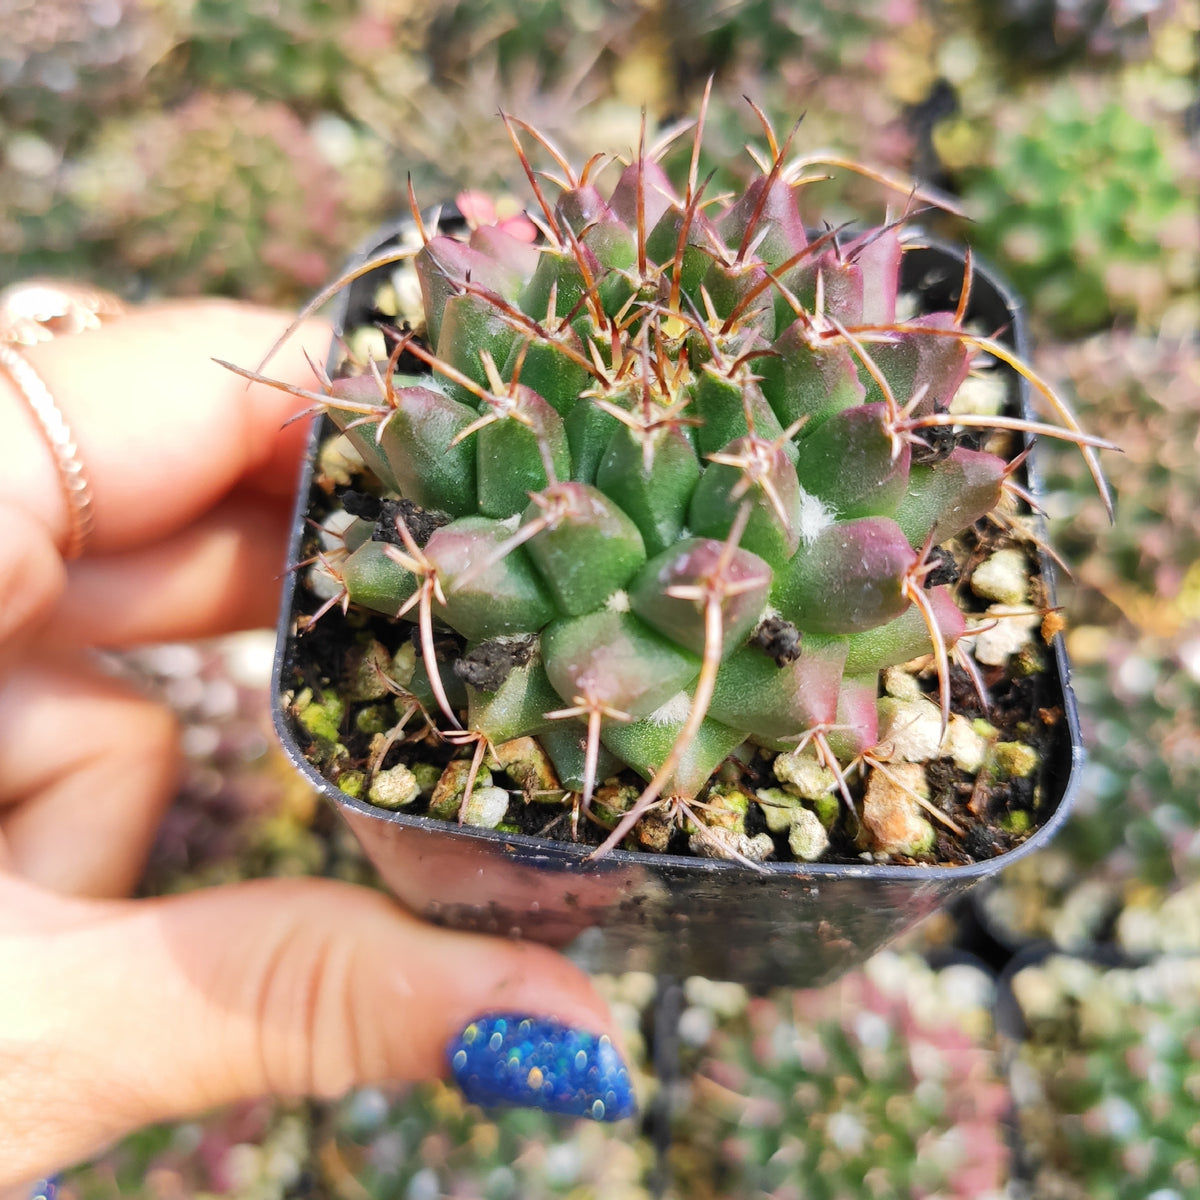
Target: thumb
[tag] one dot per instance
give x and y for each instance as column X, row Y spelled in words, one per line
column 134, row 1012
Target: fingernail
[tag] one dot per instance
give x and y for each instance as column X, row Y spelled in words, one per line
column 44, row 1189
column 537, row 1062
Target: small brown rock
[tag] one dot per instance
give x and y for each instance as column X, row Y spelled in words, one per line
column 891, row 816
column 528, row 766
column 654, row 831
column 611, row 801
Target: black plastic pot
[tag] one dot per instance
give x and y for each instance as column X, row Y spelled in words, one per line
column 795, row 924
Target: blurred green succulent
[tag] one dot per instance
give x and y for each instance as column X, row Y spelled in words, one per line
column 428, row 1144
column 224, row 194
column 1042, row 35
column 64, row 65
column 292, row 52
column 712, row 36
column 1141, row 388
column 1090, row 208
column 1107, row 1079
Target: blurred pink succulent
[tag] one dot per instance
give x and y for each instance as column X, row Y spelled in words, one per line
column 479, row 208
column 225, row 193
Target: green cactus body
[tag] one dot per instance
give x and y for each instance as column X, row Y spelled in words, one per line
column 376, row 580
column 644, row 437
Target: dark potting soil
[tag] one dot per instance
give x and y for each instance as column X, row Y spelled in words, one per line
column 995, row 814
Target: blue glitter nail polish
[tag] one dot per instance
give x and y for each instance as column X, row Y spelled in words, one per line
column 537, row 1062
column 44, row 1189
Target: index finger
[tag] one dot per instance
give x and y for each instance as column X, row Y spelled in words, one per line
column 163, row 432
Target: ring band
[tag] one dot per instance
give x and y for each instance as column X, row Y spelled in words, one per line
column 62, row 445
column 40, row 310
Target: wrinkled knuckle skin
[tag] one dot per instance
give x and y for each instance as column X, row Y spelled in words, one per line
column 306, row 1016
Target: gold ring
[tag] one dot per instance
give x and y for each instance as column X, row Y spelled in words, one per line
column 40, row 310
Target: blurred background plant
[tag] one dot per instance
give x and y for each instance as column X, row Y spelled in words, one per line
column 244, row 147
column 1092, row 209
column 1105, row 1070
column 882, row 1084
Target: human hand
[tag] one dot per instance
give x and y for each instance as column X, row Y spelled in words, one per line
column 117, row 1013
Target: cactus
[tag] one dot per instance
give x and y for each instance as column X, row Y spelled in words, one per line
column 663, row 491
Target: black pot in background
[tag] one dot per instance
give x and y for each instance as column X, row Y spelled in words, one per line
column 793, row 924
